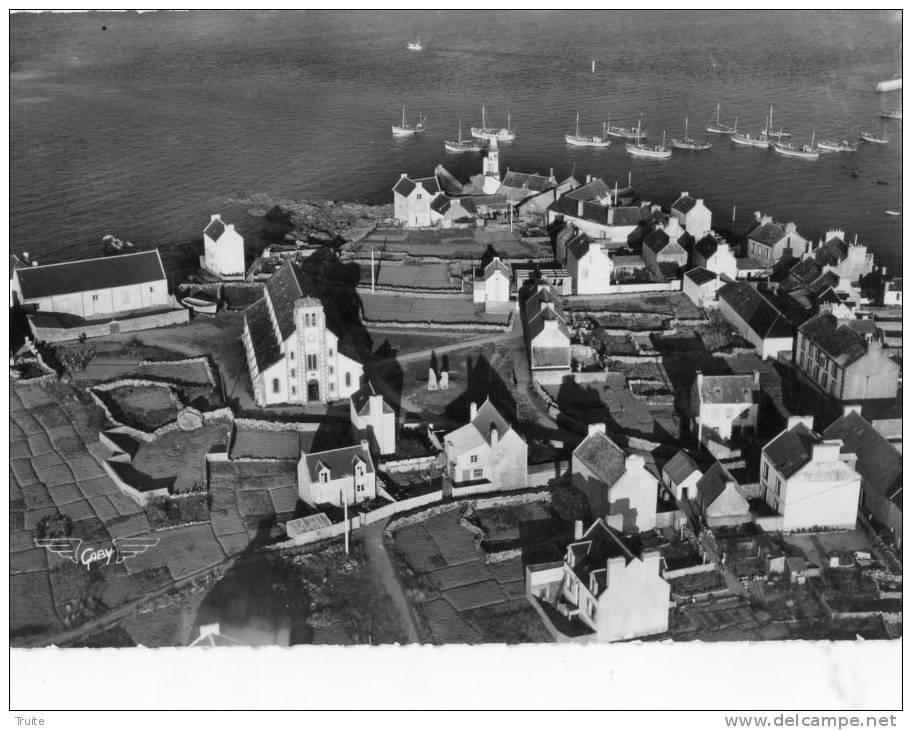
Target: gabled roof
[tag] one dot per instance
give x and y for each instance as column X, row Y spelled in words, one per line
column 707, row 246
column 106, row 272
column 895, row 284
column 806, row 271
column 878, row 462
column 579, row 245
column 478, row 431
column 712, row 483
column 545, row 295
column 832, row 252
column 660, row 242
column 536, row 324
column 340, row 462
column 253, row 443
column 590, row 191
column 759, row 314
column 267, row 349
column 769, row 233
column 215, row 229
column 684, row 204
column 533, row 182
column 603, row 457
column 494, row 266
column 361, row 400
column 431, row 184
column 701, row 276
column 837, row 338
column 791, row 449
column 440, row 204
column 680, row 466
column 284, row 288
column 720, row 389
column 406, row 185
column 600, row 543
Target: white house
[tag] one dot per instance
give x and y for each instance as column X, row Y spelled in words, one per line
column 590, row 208
column 412, row 200
column 487, row 448
column 615, row 482
column 768, row 241
column 224, row 250
column 723, row 407
column 680, row 475
column 808, row 480
column 100, row 288
column 756, row 319
column 296, row 349
column 373, row 419
column 603, row 583
column 719, row 500
column 329, row 477
column 490, row 169
column 693, row 215
column 892, row 293
column 547, row 334
column 668, row 245
column 589, row 265
column 702, row 286
column 492, row 287
column 715, row 254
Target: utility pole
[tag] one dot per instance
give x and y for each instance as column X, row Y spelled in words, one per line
column 345, row 517
column 372, row 271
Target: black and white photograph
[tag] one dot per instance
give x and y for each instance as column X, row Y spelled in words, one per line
column 405, row 333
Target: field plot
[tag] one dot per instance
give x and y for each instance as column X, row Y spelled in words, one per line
column 417, row 276
column 431, row 311
column 460, row 244
column 457, row 595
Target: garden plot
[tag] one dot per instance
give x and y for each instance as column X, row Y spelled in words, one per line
column 430, row 311
column 146, row 407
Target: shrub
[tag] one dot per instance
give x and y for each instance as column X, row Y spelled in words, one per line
column 570, row 504
column 54, row 526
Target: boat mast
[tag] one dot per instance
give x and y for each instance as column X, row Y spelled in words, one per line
column 685, row 129
column 718, row 110
column 403, row 115
column 577, row 123
column 663, row 139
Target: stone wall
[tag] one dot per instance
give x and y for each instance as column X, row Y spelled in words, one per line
column 102, row 329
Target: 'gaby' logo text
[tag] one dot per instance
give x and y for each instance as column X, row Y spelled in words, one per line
column 122, row 548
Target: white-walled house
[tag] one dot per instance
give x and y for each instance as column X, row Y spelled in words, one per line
column 615, row 482
column 756, row 319
column 603, row 583
column 589, row 265
column 719, row 500
column 892, row 292
column 723, row 407
column 373, row 419
column 702, row 286
column 99, row 288
column 768, row 241
column 547, row 334
column 412, row 200
column 808, row 479
column 715, row 254
column 680, row 475
column 296, row 349
column 590, row 208
column 492, row 287
column 487, row 448
column 693, row 215
column 329, row 477
column 224, row 249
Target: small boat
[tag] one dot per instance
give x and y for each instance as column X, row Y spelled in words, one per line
column 714, row 126
column 199, row 305
column 113, row 246
column 504, row 134
column 579, row 140
column 408, row 130
column 806, row 152
column 881, row 182
column 777, row 134
column 844, row 145
column 415, row 46
column 636, row 133
column 689, row 143
column 871, row 137
column 746, row 140
column 463, row 145
column 651, row 151
column 893, row 212
column 891, row 113
column 891, row 85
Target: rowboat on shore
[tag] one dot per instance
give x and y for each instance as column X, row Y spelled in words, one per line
column 198, row 305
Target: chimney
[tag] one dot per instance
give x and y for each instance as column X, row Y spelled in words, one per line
column 758, row 216
column 795, row 420
column 790, row 227
column 685, row 194
column 699, row 383
column 402, row 176
column 579, row 208
column 757, row 379
column 730, row 484
column 551, row 175
column 854, row 408
column 214, row 217
column 826, row 450
column 365, row 445
column 634, row 462
column 588, row 179
column 25, row 257
column 473, row 410
column 596, row 428
column 578, row 530
column 494, row 436
column 699, row 201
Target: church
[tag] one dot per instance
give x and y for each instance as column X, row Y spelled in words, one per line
column 296, row 350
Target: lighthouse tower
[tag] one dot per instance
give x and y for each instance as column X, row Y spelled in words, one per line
column 491, row 169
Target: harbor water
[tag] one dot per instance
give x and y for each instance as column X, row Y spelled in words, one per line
column 141, row 125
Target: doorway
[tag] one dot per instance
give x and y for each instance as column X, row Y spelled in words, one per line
column 313, row 391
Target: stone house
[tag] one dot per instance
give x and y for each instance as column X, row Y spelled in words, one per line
column 768, row 241
column 693, row 215
column 547, row 333
column 756, row 319
column 224, row 250
column 491, row 286
column 329, row 477
column 373, row 420
column 412, row 200
column 723, row 407
column 719, row 500
column 589, row 208
column 667, row 248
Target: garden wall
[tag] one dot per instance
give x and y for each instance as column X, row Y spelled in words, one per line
column 768, row 524
column 415, row 464
column 672, row 518
column 689, row 570
column 402, row 506
column 543, row 475
column 102, row 329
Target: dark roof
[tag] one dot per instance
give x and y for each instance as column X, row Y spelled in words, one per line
column 595, row 212
column 361, row 400
column 832, row 252
column 107, row 272
column 284, row 288
column 712, row 483
column 680, row 466
column 440, row 204
column 604, row 458
column 266, row 346
column 340, row 462
column 533, row 182
column 406, row 185
column 684, row 204
column 496, row 265
column 791, row 449
column 249, row 443
column 896, row 284
column 590, row 191
column 837, row 338
column 759, row 314
column 579, row 246
column 660, row 242
column 707, row 246
column 769, row 233
column 730, row 389
column 536, row 323
column 488, row 417
column 746, row 262
column 700, row 276
column 215, row 229
column 806, row 271
column 431, row 184
column 878, row 461
column 599, row 544
column 543, row 296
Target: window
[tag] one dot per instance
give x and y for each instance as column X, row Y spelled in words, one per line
column 294, row 391
column 324, row 476
column 94, row 297
column 359, row 487
column 292, row 372
column 330, row 369
column 823, row 379
column 801, row 360
column 478, row 473
column 418, row 197
column 275, row 385
column 332, row 388
column 766, row 471
column 311, row 362
column 152, row 289
column 291, row 355
column 330, row 352
column 348, row 380
column 474, row 458
column 778, row 484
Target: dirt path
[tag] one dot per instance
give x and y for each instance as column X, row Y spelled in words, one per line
column 372, row 535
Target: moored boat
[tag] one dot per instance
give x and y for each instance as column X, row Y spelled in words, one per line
column 579, row 140
column 746, row 140
column 805, row 152
column 463, row 145
column 826, row 145
column 404, row 129
column 891, row 113
column 893, row 212
column 871, row 137
column 200, row 305
column 415, row 46
column 773, row 134
column 504, row 134
column 689, row 143
column 651, row 151
column 636, row 133
column 714, row 126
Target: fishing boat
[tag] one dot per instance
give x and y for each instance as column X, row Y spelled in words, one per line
column 637, row 133
column 415, row 46
column 826, row 145
column 200, row 305
column 714, row 126
column 777, row 134
column 893, row 212
column 113, row 246
column 871, row 137
column 891, row 113
column 805, row 152
column 408, row 130
column 579, row 140
column 463, row 145
column 881, row 182
column 746, row 140
column 504, row 134
column 689, row 143
column 651, row 151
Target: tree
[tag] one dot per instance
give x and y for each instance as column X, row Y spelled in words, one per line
column 570, row 504
column 54, row 526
